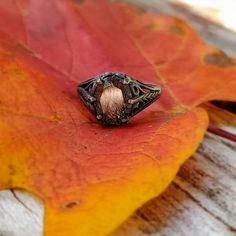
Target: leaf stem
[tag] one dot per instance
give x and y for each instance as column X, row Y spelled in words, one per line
column 222, row 133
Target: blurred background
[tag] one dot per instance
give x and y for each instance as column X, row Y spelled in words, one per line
column 215, row 20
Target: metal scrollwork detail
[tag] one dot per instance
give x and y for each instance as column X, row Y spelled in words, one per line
column 137, row 96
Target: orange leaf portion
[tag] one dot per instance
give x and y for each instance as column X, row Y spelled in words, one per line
column 93, row 177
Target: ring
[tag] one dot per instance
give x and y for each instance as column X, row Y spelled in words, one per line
column 115, row 97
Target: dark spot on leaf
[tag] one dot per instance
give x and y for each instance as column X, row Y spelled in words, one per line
column 219, row 59
column 18, row 72
column 22, row 47
column 12, row 170
column 140, row 10
column 70, row 205
column 160, row 62
column 150, row 27
column 176, row 29
column 79, row 1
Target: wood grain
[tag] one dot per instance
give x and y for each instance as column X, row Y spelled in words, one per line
column 21, row 214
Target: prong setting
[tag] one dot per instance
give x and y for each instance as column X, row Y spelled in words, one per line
column 127, row 80
column 98, row 81
column 124, row 97
column 99, row 117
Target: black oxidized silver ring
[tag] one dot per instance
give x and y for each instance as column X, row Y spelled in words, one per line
column 115, row 97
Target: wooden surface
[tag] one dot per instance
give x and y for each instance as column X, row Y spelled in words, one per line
column 201, row 200
column 20, row 214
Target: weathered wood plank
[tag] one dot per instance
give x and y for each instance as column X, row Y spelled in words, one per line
column 20, row 214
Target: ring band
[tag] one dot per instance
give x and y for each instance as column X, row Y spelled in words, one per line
column 115, row 97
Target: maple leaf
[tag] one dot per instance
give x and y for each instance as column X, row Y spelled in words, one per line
column 91, row 177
